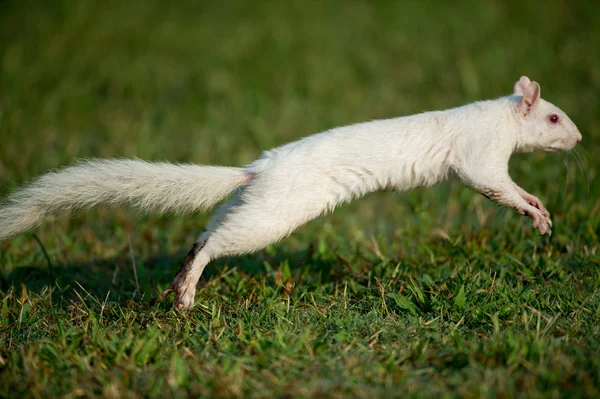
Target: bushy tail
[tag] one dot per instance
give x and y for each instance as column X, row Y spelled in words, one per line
column 155, row 187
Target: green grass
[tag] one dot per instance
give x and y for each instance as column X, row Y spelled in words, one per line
column 436, row 292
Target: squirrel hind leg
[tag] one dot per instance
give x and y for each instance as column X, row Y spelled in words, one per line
column 248, row 222
column 187, row 277
column 185, row 281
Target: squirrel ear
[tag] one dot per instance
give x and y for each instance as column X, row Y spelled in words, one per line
column 531, row 98
column 521, row 85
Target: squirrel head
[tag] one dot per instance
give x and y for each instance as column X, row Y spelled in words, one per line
column 542, row 125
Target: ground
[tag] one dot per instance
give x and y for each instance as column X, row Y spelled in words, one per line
column 436, row 292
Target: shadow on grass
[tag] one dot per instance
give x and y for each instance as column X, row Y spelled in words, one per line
column 153, row 274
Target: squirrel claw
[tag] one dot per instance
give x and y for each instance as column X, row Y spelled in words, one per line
column 166, row 293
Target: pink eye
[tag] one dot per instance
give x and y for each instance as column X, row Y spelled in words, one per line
column 553, row 118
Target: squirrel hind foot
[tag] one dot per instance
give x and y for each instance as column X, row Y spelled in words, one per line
column 185, row 281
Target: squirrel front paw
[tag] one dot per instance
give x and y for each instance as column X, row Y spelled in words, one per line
column 535, row 202
column 541, row 220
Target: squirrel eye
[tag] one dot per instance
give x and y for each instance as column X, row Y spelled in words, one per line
column 553, row 118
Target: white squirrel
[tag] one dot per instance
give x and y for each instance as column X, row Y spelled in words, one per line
column 297, row 182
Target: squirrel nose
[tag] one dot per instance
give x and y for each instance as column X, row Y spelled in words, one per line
column 579, row 137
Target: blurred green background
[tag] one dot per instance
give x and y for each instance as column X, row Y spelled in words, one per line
column 218, row 83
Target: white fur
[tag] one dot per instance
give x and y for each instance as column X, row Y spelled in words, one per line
column 297, row 182
column 301, row 180
column 155, row 187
